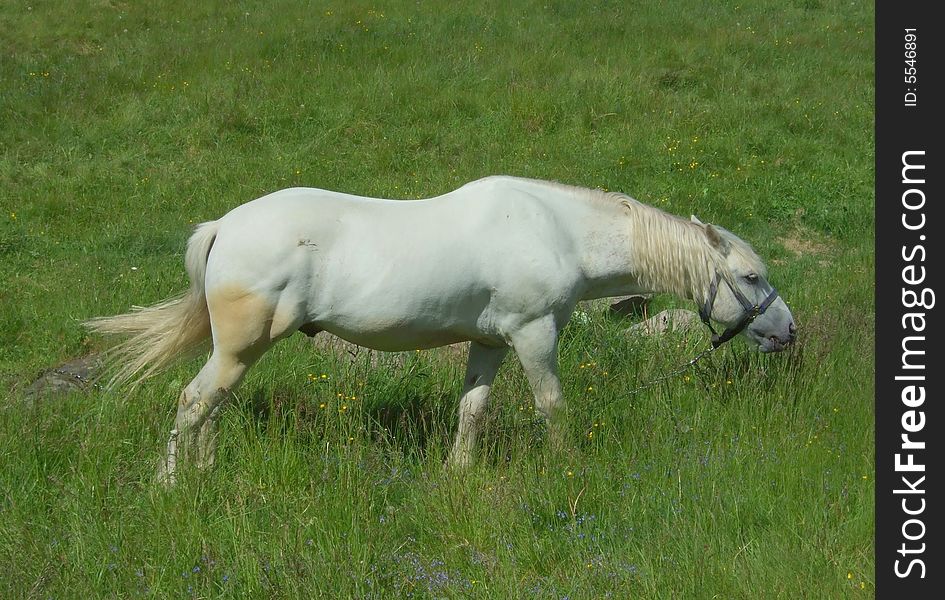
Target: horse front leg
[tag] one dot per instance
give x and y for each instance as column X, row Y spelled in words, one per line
column 536, row 345
column 481, row 368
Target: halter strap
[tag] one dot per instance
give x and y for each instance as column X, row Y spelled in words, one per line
column 750, row 311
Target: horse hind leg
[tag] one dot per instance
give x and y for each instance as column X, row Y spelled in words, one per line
column 207, row 439
column 193, row 438
column 244, row 327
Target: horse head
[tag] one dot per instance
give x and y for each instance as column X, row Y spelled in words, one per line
column 740, row 297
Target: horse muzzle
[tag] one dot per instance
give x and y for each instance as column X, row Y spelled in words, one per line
column 775, row 342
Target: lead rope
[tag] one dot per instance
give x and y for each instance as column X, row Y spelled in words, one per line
column 681, row 369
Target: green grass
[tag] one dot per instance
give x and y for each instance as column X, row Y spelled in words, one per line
column 750, row 477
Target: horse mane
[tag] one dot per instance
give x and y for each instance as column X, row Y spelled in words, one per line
column 676, row 254
column 670, row 253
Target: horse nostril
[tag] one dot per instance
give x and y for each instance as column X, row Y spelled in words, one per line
column 792, row 331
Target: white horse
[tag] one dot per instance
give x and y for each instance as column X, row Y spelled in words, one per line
column 500, row 262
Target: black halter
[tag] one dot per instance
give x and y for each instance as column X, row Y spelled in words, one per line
column 751, row 311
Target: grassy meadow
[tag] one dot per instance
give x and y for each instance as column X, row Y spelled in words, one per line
column 123, row 124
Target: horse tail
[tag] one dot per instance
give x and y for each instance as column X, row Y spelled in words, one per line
column 160, row 334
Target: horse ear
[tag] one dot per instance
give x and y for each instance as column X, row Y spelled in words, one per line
column 695, row 220
column 717, row 240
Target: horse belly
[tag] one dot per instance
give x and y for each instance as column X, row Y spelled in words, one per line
column 386, row 320
column 399, row 339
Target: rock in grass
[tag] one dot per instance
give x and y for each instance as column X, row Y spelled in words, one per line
column 74, row 375
column 674, row 319
column 629, row 306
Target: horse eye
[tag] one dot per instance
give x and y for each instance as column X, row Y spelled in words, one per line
column 751, row 278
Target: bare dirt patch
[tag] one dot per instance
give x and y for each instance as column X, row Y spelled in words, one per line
column 802, row 245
